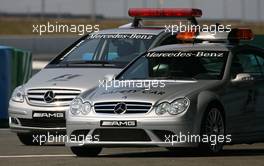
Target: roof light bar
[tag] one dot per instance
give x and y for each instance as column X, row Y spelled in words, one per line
column 234, row 36
column 164, row 12
column 186, row 36
column 187, row 13
column 241, row 34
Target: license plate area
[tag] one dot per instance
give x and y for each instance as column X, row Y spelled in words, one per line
column 48, row 115
column 118, row 123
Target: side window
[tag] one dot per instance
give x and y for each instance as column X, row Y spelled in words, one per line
column 245, row 63
column 170, row 40
column 261, row 63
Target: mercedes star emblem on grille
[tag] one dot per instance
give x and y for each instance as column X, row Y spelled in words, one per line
column 120, row 108
column 49, row 96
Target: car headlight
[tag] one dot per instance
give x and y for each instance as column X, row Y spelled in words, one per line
column 86, row 108
column 79, row 108
column 76, row 106
column 176, row 107
column 162, row 108
column 18, row 94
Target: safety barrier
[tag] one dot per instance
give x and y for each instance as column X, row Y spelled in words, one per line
column 15, row 69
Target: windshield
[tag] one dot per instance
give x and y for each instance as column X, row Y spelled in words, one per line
column 107, row 49
column 197, row 65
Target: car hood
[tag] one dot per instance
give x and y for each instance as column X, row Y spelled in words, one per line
column 69, row 78
column 171, row 90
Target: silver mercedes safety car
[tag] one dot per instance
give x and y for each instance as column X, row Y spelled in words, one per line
column 195, row 95
column 39, row 105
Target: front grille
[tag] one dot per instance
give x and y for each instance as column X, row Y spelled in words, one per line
column 63, row 97
column 133, row 135
column 42, row 123
column 132, row 107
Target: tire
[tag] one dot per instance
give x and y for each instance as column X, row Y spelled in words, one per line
column 212, row 124
column 86, row 151
column 171, row 149
column 179, row 150
column 27, row 139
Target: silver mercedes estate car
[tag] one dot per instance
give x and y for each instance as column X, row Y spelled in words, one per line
column 193, row 95
column 39, row 106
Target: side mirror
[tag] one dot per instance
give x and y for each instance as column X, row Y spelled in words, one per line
column 109, row 77
column 243, row 77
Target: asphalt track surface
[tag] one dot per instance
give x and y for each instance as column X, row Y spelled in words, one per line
column 12, row 152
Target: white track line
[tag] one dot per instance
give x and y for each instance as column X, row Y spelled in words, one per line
column 4, row 129
column 38, row 156
column 37, row 65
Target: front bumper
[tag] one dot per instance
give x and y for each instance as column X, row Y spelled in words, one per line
column 20, row 119
column 150, row 131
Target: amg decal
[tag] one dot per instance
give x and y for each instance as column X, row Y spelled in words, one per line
column 129, row 123
column 48, row 115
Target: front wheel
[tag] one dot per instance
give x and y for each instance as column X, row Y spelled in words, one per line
column 86, row 151
column 213, row 127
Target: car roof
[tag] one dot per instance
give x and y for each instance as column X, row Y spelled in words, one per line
column 150, row 31
column 193, row 47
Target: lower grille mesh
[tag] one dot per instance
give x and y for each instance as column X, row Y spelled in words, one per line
column 122, row 135
column 42, row 123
